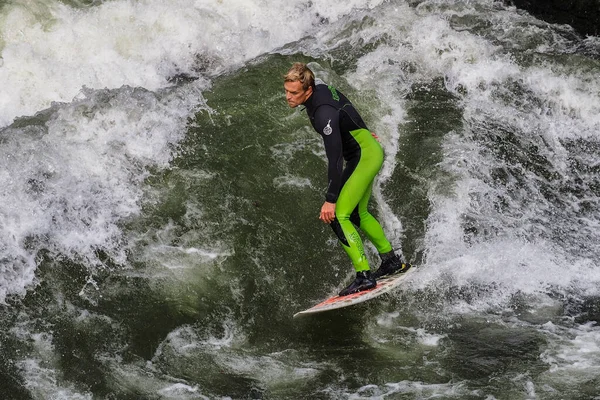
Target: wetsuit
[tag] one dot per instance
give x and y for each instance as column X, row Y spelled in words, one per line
column 347, row 138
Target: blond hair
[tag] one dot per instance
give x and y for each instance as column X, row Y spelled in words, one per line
column 299, row 72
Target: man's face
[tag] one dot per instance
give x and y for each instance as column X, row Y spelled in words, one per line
column 294, row 94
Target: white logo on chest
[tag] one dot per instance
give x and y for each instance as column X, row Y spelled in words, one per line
column 327, row 130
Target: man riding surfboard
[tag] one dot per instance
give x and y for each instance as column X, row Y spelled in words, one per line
column 354, row 158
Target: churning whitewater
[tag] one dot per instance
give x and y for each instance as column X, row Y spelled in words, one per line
column 159, row 221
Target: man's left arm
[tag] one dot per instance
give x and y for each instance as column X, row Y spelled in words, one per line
column 327, row 124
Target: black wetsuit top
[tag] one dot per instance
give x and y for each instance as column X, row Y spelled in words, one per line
column 334, row 117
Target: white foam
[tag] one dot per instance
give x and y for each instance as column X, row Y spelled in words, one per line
column 573, row 355
column 291, row 181
column 181, row 391
column 71, row 182
column 227, row 352
column 410, row 388
column 387, row 329
column 49, row 54
column 185, row 340
column 147, row 381
column 515, row 248
column 194, row 256
column 41, row 372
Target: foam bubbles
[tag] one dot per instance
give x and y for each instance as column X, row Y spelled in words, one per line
column 501, row 224
column 410, row 388
column 181, row 391
column 41, row 374
column 49, row 54
column 75, row 173
column 573, row 355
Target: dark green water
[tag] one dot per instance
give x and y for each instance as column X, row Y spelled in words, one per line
column 168, row 265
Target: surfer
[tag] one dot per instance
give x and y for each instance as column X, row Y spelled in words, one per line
column 346, row 138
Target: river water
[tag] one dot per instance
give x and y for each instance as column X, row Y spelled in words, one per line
column 159, row 203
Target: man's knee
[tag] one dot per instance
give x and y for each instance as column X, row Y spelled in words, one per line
column 337, row 229
column 355, row 217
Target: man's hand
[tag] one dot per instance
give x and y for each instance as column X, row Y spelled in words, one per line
column 327, row 212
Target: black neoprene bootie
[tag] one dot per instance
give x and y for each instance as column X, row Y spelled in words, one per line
column 364, row 281
column 391, row 266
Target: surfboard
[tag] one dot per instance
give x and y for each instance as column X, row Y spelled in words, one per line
column 384, row 285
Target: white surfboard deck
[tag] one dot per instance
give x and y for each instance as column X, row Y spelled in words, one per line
column 384, row 285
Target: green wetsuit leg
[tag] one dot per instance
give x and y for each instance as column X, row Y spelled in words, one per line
column 370, row 226
column 356, row 192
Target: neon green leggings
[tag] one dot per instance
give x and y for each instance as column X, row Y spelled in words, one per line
column 352, row 203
